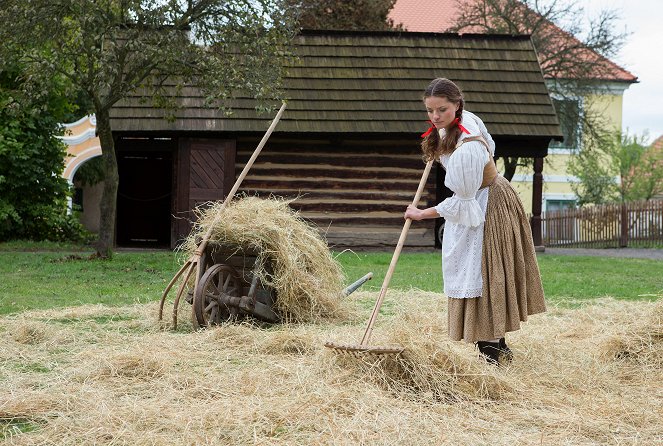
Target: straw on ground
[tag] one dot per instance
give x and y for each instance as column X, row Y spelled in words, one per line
column 100, row 375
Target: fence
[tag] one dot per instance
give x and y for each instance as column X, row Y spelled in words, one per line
column 638, row 224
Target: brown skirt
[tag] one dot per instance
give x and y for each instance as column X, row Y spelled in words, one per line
column 512, row 287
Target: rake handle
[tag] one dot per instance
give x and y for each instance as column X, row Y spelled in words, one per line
column 394, row 259
column 242, row 175
column 194, row 261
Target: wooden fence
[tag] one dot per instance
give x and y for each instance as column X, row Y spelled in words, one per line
column 635, row 224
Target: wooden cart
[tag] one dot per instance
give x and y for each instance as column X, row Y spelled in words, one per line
column 229, row 288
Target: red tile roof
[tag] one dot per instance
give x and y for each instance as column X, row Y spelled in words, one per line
column 441, row 15
column 658, row 144
column 425, row 15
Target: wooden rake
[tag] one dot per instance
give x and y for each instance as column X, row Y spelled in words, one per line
column 194, row 264
column 364, row 347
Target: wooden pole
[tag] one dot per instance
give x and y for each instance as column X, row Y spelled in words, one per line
column 623, row 236
column 242, row 175
column 394, row 259
column 537, row 200
column 194, row 262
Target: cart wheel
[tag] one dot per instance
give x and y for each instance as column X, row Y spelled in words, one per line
column 218, row 282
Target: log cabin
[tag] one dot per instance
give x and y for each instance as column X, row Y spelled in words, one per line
column 347, row 147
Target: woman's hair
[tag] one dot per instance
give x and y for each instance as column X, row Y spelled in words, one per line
column 431, row 145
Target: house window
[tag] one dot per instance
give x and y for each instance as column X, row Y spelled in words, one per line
column 559, row 205
column 568, row 113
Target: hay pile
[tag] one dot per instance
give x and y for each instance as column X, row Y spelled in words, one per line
column 99, row 375
column 640, row 343
column 307, row 279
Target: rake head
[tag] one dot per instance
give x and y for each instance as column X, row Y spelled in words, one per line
column 359, row 350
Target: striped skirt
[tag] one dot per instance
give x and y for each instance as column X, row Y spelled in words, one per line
column 512, row 287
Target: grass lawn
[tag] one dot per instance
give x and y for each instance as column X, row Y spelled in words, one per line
column 38, row 276
column 110, row 374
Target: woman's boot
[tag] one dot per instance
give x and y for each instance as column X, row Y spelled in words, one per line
column 506, row 355
column 490, row 351
column 495, row 352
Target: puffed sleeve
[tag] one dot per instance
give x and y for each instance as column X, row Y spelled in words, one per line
column 464, row 177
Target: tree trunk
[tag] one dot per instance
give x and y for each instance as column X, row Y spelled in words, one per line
column 510, row 166
column 108, row 205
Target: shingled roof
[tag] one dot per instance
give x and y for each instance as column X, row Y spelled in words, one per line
column 372, row 82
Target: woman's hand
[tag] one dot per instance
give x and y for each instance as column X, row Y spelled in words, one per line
column 413, row 213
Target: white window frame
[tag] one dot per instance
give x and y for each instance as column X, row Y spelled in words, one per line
column 565, row 150
column 557, row 197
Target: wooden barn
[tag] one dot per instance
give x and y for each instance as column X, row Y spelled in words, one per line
column 347, row 145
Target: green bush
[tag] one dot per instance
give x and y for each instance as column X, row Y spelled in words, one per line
column 33, row 193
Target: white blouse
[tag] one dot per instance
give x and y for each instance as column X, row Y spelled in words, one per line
column 465, row 211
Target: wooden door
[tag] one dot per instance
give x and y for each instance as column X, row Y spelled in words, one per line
column 206, row 172
column 145, row 193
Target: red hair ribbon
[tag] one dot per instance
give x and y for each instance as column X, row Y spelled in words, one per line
column 454, row 122
column 460, row 126
column 430, row 130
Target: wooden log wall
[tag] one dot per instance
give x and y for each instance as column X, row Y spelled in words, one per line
column 355, row 192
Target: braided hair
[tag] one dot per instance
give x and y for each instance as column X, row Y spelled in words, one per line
column 432, row 145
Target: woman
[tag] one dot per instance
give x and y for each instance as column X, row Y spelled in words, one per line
column 491, row 276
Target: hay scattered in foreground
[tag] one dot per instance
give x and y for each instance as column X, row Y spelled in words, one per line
column 99, row 375
column 306, row 277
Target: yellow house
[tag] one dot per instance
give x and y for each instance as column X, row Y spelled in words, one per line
column 557, row 190
column 83, row 145
column 605, row 101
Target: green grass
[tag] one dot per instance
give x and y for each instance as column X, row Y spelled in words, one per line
column 566, row 279
column 42, row 279
column 28, row 245
column 582, row 278
column 414, row 270
column 15, row 426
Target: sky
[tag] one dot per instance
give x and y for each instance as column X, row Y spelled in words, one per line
column 642, row 55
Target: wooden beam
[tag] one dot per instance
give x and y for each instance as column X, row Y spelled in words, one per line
column 537, row 200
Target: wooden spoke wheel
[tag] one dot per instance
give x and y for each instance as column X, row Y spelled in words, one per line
column 216, row 286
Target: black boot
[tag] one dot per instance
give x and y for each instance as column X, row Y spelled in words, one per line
column 495, row 352
column 490, row 351
column 506, row 355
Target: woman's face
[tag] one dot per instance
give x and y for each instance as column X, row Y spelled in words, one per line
column 441, row 112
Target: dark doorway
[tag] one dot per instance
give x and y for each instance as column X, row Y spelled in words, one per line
column 144, row 198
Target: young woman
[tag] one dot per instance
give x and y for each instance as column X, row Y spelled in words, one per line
column 491, row 276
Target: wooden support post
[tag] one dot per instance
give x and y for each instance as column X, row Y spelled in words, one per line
column 537, row 200
column 623, row 229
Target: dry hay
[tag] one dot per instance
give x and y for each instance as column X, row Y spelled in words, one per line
column 30, row 333
column 429, row 369
column 307, row 279
column 105, row 376
column 640, row 344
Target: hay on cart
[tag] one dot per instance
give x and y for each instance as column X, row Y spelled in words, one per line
column 293, row 256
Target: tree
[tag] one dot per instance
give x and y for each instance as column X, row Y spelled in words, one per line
column 618, row 169
column 359, row 15
column 648, row 174
column 109, row 48
column 572, row 52
column 33, row 193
